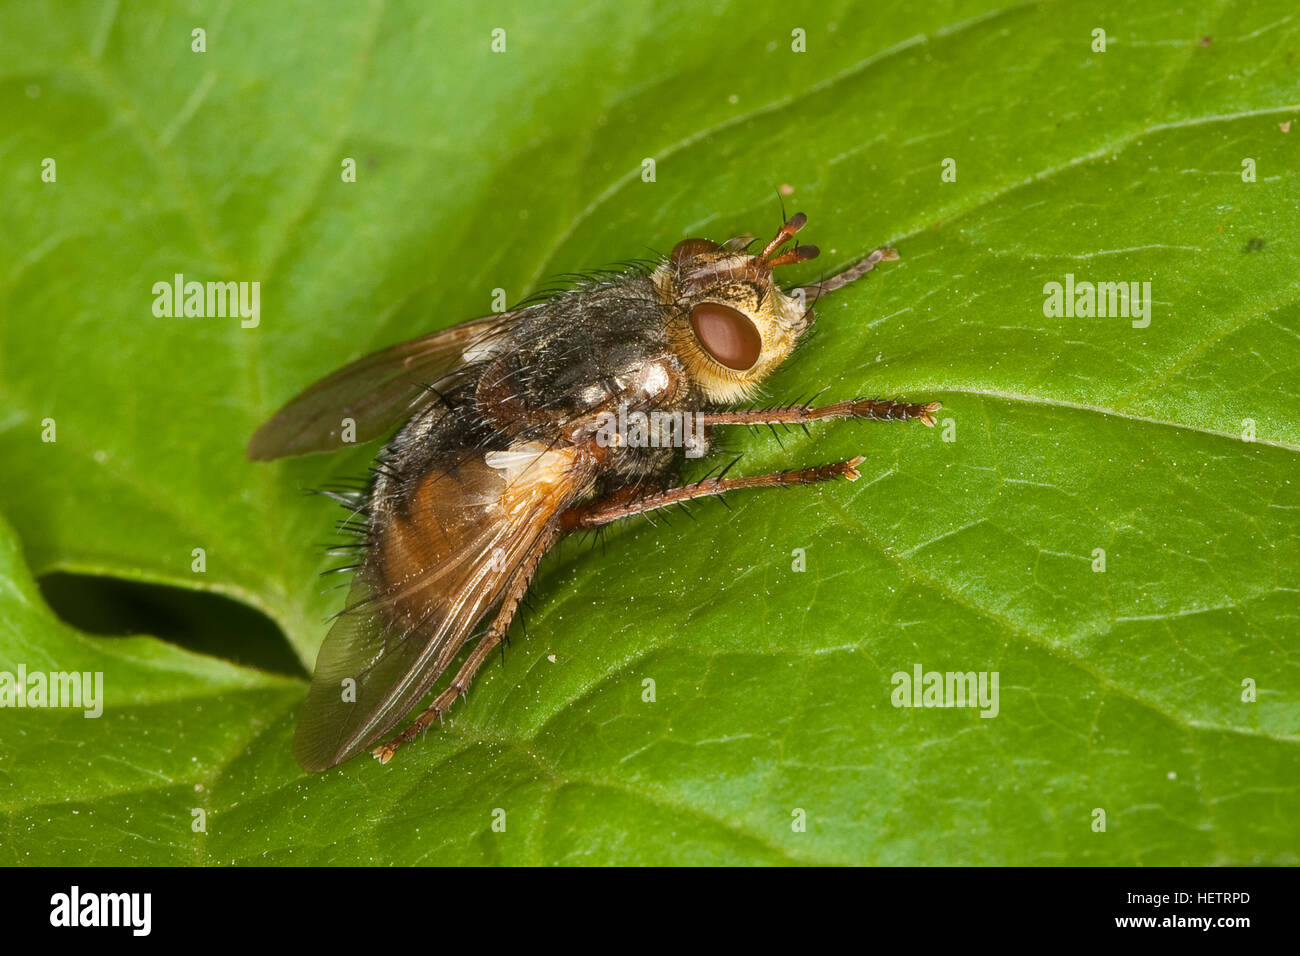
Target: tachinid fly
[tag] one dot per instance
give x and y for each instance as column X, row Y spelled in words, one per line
column 514, row 437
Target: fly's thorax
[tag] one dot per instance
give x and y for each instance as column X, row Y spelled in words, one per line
column 727, row 321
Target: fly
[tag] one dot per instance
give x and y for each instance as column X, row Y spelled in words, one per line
column 521, row 428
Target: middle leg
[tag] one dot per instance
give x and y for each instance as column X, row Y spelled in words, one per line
column 629, row 501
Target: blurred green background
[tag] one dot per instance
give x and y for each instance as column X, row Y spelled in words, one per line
column 970, row 547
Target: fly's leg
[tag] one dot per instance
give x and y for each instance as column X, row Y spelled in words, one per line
column 628, row 501
column 873, row 409
column 495, row 634
column 459, row 685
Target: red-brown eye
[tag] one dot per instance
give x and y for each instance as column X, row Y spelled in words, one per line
column 727, row 334
column 689, row 248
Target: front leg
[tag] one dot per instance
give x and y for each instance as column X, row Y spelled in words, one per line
column 874, row 409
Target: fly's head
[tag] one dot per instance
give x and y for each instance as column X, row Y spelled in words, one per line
column 728, row 321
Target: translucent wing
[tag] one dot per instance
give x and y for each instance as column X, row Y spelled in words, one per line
column 376, row 391
column 430, row 572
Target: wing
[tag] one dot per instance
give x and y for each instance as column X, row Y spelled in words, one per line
column 376, row 391
column 430, row 573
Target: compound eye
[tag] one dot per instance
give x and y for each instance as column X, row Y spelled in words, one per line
column 689, row 248
column 727, row 335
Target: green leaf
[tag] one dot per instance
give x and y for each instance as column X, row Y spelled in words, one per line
column 1120, row 690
